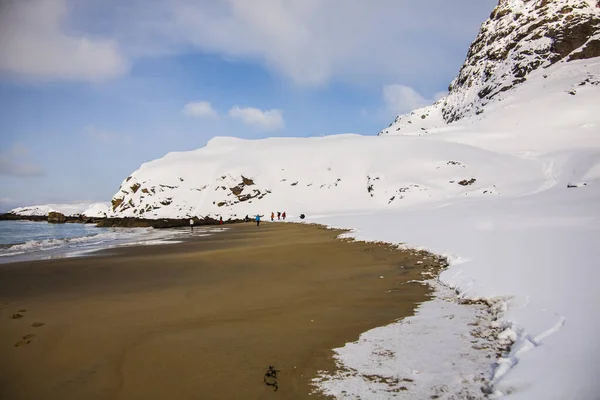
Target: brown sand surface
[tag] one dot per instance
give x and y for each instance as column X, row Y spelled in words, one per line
column 201, row 319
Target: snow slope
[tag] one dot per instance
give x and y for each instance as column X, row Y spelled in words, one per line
column 96, row 210
column 337, row 173
column 533, row 253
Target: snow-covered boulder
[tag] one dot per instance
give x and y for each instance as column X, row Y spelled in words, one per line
column 90, row 210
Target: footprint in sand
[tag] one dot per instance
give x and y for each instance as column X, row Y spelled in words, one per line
column 37, row 324
column 25, row 340
column 18, row 315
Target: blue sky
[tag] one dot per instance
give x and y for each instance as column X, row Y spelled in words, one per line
column 91, row 89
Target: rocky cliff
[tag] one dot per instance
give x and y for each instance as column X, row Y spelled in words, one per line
column 519, row 37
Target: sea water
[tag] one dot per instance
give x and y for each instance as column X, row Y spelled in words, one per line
column 27, row 240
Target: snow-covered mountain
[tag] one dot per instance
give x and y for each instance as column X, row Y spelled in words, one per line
column 473, row 157
column 234, row 177
column 519, row 37
column 518, row 66
column 90, row 210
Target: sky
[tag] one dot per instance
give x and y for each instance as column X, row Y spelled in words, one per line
column 92, row 89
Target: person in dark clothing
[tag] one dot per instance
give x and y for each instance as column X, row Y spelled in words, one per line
column 278, row 215
column 246, row 219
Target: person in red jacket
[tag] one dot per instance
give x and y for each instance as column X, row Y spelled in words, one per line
column 283, row 215
column 272, row 216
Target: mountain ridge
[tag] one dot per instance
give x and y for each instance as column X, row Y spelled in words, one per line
column 518, row 38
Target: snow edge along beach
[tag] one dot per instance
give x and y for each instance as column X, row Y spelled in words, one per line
column 528, row 254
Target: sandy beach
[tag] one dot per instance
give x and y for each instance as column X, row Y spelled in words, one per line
column 202, row 319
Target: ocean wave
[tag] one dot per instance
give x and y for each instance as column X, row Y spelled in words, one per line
column 107, row 238
column 94, row 240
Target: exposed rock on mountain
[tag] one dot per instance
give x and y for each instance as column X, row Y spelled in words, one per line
column 520, row 36
column 234, row 177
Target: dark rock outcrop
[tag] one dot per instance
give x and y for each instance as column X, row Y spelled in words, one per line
column 17, row 217
column 56, row 218
column 146, row 199
column 159, row 223
column 467, row 182
column 116, row 202
column 45, row 218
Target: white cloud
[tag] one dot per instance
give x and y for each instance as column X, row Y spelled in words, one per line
column 440, row 95
column 268, row 120
column 17, row 162
column 386, row 40
column 383, row 41
column 400, row 99
column 200, row 109
column 299, row 39
column 35, row 45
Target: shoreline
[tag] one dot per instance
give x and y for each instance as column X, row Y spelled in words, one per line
column 90, row 239
column 125, row 222
column 207, row 315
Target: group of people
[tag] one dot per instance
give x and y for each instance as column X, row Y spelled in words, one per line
column 280, row 215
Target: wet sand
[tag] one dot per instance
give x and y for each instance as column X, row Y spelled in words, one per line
column 201, row 319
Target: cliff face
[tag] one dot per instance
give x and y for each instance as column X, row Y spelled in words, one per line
column 520, row 36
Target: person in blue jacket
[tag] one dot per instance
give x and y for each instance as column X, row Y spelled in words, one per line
column 257, row 219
